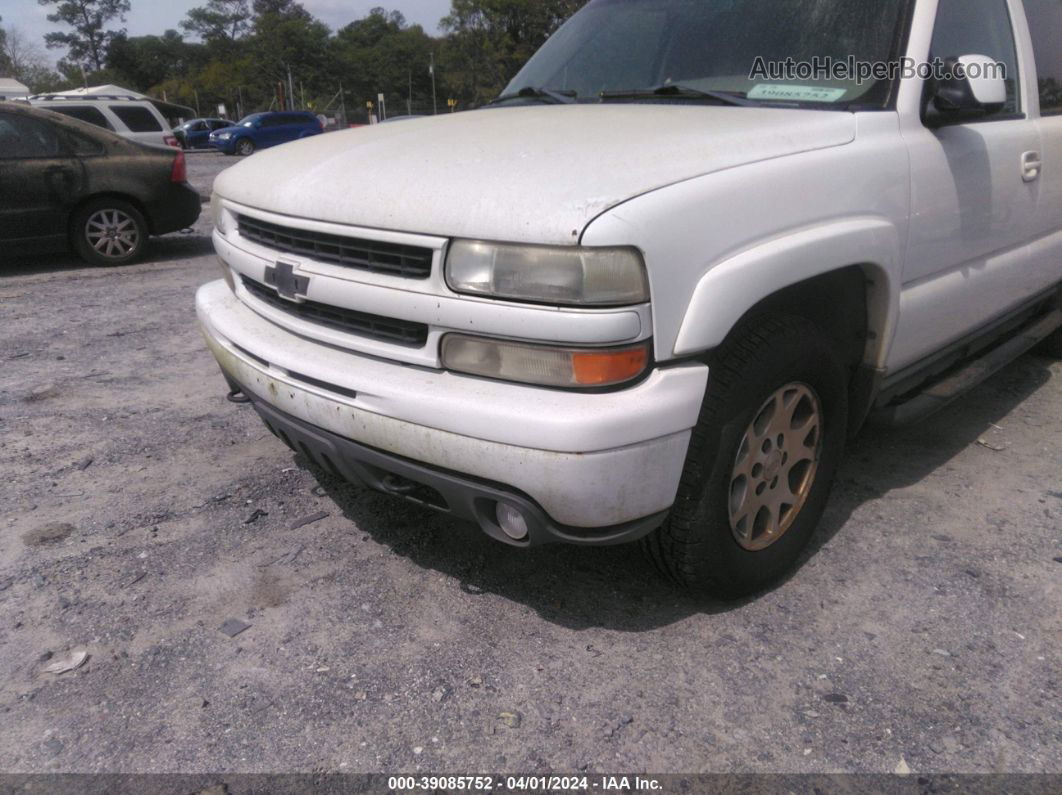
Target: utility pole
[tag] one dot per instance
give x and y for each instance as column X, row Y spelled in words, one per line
column 197, row 113
column 343, row 105
column 291, row 91
column 409, row 101
column 434, row 99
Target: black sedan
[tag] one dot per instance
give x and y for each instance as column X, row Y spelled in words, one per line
column 67, row 183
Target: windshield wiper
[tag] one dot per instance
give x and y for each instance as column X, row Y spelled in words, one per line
column 548, row 95
column 680, row 92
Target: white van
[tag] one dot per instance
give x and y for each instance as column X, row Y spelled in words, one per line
column 652, row 290
column 129, row 117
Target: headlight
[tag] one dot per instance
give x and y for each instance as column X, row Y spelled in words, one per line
column 578, row 368
column 224, row 136
column 551, row 275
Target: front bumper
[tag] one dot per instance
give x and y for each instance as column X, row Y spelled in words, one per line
column 227, row 146
column 462, row 496
column 589, row 462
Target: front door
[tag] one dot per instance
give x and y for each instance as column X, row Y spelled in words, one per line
column 972, row 204
column 39, row 180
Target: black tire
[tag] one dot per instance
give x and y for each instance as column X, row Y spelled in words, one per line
column 696, row 547
column 245, row 147
column 93, row 222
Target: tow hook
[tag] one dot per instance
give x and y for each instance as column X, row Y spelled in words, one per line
column 237, row 396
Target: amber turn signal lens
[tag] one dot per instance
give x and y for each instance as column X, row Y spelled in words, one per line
column 609, row 367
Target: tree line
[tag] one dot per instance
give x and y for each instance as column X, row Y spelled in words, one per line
column 251, row 55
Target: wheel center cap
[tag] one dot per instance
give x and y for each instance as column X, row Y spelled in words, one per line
column 772, row 465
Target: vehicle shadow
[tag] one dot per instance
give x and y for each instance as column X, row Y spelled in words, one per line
column 615, row 588
column 186, row 244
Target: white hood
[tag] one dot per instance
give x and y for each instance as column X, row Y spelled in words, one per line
column 526, row 174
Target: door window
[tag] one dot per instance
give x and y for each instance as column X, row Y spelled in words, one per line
column 137, row 118
column 82, row 144
column 978, row 27
column 22, row 137
column 1045, row 24
column 87, row 114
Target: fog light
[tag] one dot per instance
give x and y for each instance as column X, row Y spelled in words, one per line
column 511, row 521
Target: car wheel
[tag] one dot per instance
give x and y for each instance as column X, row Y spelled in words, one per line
column 245, row 147
column 109, row 232
column 761, row 463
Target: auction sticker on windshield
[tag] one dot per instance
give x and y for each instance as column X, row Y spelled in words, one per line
column 796, row 93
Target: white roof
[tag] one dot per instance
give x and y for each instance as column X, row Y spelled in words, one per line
column 108, row 90
column 10, row 87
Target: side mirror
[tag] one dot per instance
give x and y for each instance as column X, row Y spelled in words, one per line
column 973, row 87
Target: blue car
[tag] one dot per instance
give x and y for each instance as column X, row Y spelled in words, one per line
column 195, row 134
column 262, row 130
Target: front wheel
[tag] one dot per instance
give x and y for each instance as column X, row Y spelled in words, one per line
column 762, row 460
column 245, row 147
column 109, row 232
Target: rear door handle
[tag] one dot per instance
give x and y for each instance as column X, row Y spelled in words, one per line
column 1031, row 166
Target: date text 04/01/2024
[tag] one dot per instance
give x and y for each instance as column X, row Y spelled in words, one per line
column 524, row 783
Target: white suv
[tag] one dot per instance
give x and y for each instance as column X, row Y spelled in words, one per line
column 129, row 117
column 651, row 292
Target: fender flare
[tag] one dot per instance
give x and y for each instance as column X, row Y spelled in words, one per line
column 738, row 283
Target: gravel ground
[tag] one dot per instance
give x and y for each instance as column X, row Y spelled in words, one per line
column 140, row 511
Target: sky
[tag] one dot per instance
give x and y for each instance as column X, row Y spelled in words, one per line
column 155, row 16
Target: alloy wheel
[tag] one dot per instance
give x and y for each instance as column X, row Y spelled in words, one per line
column 112, row 233
column 775, row 466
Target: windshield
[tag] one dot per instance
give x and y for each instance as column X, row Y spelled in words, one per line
column 739, row 47
column 249, row 121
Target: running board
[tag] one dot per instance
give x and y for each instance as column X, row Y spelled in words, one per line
column 940, row 393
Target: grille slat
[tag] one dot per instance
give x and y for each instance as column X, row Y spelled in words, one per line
column 385, row 329
column 393, row 259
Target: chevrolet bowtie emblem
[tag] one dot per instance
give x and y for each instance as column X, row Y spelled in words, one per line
column 288, row 285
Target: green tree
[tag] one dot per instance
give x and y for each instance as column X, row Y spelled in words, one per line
column 382, row 54
column 490, row 40
column 219, row 20
column 289, row 10
column 144, row 62
column 87, row 42
column 288, row 40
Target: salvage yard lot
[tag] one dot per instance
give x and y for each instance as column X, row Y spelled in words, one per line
column 140, row 511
